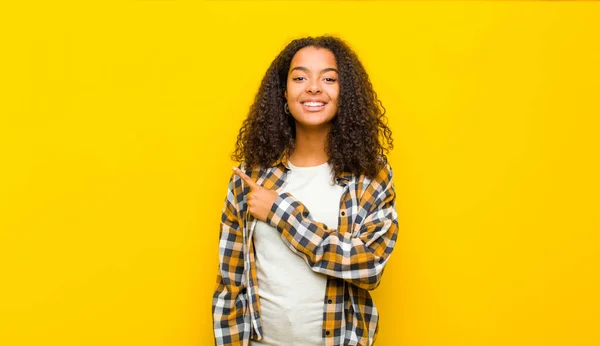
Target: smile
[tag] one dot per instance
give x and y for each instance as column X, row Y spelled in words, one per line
column 313, row 106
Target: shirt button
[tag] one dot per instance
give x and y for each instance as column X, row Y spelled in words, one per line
column 327, row 332
column 343, row 213
column 329, row 301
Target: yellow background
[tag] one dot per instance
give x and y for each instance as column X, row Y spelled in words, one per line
column 117, row 120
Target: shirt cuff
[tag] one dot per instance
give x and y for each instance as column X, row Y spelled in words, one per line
column 282, row 209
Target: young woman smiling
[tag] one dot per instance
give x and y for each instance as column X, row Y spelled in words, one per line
column 309, row 221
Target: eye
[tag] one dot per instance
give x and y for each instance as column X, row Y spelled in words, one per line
column 297, row 78
column 330, row 79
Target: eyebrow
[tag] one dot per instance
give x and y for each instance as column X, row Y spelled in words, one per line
column 302, row 68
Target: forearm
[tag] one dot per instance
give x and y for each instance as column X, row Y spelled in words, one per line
column 357, row 259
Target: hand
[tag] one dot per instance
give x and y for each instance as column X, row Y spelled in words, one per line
column 260, row 200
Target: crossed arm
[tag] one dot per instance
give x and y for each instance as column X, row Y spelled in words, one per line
column 357, row 259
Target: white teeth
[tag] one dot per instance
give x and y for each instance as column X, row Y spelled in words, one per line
column 313, row 104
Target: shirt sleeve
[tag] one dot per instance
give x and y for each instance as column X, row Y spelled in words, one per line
column 230, row 322
column 357, row 258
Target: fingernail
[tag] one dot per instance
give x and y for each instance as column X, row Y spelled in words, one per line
column 234, row 168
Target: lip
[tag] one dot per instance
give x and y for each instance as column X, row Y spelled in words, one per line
column 314, row 100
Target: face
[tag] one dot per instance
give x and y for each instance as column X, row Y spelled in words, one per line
column 312, row 87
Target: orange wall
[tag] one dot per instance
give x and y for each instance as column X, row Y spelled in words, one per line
column 117, row 120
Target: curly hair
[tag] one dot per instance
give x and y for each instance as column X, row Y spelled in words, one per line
column 359, row 133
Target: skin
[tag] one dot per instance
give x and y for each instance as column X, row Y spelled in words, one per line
column 312, row 75
column 260, row 199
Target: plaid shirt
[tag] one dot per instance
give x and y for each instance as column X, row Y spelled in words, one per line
column 353, row 256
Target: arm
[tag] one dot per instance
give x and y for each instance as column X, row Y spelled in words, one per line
column 229, row 300
column 357, row 259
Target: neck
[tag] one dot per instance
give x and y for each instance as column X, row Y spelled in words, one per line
column 309, row 147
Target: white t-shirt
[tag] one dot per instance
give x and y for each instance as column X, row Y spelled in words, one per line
column 291, row 294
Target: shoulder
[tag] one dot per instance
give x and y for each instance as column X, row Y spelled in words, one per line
column 253, row 171
column 384, row 173
column 237, row 183
column 381, row 184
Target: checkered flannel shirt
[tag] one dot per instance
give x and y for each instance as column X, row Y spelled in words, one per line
column 353, row 256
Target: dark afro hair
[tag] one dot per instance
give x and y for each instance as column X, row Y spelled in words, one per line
column 359, row 130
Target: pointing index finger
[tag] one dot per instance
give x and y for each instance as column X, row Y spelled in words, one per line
column 245, row 177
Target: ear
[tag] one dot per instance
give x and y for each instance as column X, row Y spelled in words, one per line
column 285, row 93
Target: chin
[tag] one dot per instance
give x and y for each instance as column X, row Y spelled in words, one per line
column 314, row 123
column 314, row 118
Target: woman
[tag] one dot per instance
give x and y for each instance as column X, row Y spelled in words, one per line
column 309, row 221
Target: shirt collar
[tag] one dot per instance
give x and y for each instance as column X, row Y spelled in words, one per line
column 283, row 163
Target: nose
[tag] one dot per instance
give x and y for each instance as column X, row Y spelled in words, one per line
column 313, row 87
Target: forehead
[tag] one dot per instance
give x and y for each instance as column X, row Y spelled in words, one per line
column 314, row 58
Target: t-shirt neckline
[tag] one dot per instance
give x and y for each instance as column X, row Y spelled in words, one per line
column 306, row 168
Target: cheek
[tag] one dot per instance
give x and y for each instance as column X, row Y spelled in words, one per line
column 335, row 99
column 334, row 92
column 292, row 94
